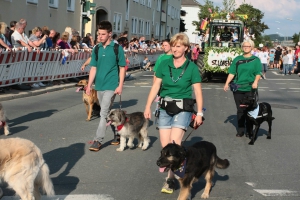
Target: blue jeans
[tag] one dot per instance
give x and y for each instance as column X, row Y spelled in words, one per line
column 285, row 69
column 291, row 67
column 264, row 67
column 181, row 120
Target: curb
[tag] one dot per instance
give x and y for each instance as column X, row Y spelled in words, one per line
column 16, row 94
column 21, row 94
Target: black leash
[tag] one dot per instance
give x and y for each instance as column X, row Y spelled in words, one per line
column 187, row 136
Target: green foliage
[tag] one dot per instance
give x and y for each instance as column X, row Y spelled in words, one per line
column 253, row 21
column 214, row 69
column 295, row 38
column 229, row 6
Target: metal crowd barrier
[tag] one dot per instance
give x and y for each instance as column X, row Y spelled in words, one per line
column 26, row 67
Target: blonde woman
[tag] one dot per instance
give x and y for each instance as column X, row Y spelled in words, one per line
column 4, row 43
column 177, row 77
column 35, row 37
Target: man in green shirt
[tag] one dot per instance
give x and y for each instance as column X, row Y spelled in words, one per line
column 167, row 54
column 108, row 75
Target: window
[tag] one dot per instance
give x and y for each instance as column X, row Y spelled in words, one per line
column 53, row 3
column 158, row 7
column 141, row 26
column 32, row 1
column 157, row 29
column 147, row 28
column 153, row 15
column 172, row 12
column 169, row 10
column 117, row 26
column 149, row 3
column 134, row 25
column 71, row 5
column 135, row 0
column 127, row 10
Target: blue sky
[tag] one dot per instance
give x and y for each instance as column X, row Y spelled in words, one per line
column 276, row 15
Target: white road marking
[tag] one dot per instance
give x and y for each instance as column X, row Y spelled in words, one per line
column 69, row 197
column 282, row 88
column 128, row 86
column 276, row 193
column 272, row 90
column 280, row 83
column 251, row 184
column 148, row 75
column 145, row 86
column 294, row 88
column 206, row 88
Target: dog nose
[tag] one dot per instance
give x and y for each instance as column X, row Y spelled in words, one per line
column 158, row 163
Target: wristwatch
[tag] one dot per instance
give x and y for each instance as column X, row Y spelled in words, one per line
column 200, row 114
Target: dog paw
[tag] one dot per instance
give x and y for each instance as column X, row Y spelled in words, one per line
column 205, row 196
column 120, row 149
column 269, row 137
column 251, row 143
column 140, row 145
column 130, row 145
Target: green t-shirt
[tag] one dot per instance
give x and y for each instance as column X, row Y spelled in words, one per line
column 183, row 87
column 160, row 59
column 246, row 72
column 107, row 68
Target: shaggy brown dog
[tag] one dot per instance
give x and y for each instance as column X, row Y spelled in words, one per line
column 22, row 166
column 3, row 120
column 88, row 100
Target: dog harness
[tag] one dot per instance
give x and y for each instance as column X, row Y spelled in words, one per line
column 254, row 113
column 180, row 172
column 121, row 125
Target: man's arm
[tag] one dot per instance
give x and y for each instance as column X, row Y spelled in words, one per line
column 91, row 80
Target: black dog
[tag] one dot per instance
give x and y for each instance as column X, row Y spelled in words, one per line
column 189, row 164
column 264, row 114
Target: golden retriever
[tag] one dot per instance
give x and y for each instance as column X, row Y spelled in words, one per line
column 22, row 166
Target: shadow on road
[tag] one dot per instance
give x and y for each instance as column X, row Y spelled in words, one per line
column 125, row 104
column 68, row 157
column 231, row 119
column 31, row 117
column 200, row 185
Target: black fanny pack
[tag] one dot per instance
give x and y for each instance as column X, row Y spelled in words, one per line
column 175, row 106
column 234, row 87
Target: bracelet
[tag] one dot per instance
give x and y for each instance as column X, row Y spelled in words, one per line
column 200, row 114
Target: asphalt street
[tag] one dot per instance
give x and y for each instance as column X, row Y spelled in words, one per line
column 55, row 122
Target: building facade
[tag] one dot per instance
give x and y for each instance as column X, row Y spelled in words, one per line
column 157, row 19
column 191, row 8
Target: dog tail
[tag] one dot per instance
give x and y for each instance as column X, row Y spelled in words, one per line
column 222, row 164
column 46, row 182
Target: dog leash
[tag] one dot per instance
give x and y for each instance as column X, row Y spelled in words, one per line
column 120, row 103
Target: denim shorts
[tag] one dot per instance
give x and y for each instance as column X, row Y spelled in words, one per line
column 181, row 120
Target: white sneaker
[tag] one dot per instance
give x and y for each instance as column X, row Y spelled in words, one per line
column 35, row 85
column 41, row 84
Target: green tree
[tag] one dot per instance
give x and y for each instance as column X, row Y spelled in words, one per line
column 295, row 38
column 205, row 12
column 254, row 20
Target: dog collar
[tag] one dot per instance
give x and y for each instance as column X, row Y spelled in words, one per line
column 2, row 123
column 121, row 125
column 181, row 170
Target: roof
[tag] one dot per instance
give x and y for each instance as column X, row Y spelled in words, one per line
column 190, row 3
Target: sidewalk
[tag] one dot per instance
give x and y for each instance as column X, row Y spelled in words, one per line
column 15, row 94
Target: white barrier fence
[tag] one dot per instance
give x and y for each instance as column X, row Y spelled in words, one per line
column 24, row 67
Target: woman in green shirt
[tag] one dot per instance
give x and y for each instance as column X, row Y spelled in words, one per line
column 246, row 75
column 177, row 77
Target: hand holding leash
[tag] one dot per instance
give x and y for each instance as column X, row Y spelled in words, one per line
column 147, row 113
column 118, row 90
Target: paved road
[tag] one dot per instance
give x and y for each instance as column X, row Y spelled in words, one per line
column 55, row 122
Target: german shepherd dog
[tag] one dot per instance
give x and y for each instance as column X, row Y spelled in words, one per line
column 264, row 114
column 130, row 126
column 90, row 101
column 3, row 121
column 191, row 163
column 22, row 166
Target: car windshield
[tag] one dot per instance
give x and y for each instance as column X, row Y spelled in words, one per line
column 226, row 35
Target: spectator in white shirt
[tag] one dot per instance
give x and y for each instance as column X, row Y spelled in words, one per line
column 290, row 62
column 264, row 56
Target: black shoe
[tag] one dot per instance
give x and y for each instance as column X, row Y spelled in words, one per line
column 95, row 146
column 239, row 135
